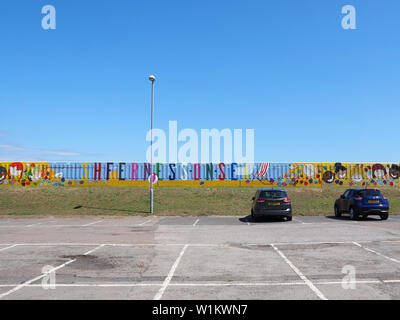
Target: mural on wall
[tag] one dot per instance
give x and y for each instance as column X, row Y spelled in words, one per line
column 195, row 174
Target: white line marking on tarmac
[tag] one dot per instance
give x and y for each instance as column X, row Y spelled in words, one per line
column 352, row 282
column 93, row 250
column 73, row 225
column 377, row 253
column 6, row 248
column 147, row 221
column 300, row 274
column 88, row 285
column 183, row 284
column 194, row 224
column 193, row 244
column 35, row 224
column 167, row 280
column 92, row 223
column 295, row 219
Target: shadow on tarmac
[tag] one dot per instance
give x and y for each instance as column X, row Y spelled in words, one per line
column 260, row 220
column 125, row 210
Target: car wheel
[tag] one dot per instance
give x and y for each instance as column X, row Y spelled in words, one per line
column 384, row 216
column 353, row 215
column 289, row 218
column 337, row 213
column 254, row 218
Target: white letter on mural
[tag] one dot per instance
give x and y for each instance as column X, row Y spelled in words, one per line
column 184, row 169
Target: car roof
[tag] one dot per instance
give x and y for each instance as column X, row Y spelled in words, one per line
column 271, row 189
column 360, row 189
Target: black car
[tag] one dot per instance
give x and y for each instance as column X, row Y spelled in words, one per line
column 269, row 202
column 362, row 202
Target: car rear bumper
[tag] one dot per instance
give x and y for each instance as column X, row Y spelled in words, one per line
column 270, row 213
column 372, row 211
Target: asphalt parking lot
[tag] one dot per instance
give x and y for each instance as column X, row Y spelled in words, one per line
column 199, row 258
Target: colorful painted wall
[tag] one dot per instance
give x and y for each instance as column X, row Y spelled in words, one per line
column 30, row 174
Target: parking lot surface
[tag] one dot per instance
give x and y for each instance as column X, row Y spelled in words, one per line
column 199, row 258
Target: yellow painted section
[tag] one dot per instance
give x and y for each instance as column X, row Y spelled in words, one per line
column 300, row 174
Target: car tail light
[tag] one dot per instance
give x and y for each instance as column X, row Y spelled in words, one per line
column 358, row 198
column 260, row 200
column 287, row 200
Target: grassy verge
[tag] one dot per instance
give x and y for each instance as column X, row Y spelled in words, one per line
column 58, row 201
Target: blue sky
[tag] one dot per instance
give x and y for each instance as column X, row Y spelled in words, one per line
column 311, row 90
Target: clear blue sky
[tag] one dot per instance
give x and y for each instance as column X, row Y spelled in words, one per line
column 311, row 90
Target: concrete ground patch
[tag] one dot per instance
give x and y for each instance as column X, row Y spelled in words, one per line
column 239, row 292
column 199, row 258
column 232, row 263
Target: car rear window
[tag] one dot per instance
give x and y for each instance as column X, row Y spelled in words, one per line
column 273, row 194
column 369, row 193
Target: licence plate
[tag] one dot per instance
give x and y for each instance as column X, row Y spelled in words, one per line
column 274, row 203
column 373, row 201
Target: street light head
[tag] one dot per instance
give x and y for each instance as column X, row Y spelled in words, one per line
column 152, row 78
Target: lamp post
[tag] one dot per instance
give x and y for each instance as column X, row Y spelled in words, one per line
column 152, row 78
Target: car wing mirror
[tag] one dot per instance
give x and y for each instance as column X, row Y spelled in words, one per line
column 253, row 198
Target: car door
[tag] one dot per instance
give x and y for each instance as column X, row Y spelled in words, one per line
column 342, row 201
column 255, row 199
column 348, row 200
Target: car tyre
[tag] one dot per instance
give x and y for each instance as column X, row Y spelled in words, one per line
column 353, row 215
column 255, row 219
column 337, row 212
column 384, row 216
column 289, row 218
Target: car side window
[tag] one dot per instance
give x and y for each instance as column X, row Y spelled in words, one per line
column 351, row 193
column 346, row 194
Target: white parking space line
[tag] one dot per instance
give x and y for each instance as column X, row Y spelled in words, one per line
column 72, row 285
column 92, row 223
column 145, row 222
column 188, row 284
column 300, row 274
column 377, row 253
column 193, row 244
column 9, row 247
column 195, row 223
column 93, row 250
column 75, row 225
column 311, row 243
column 298, row 220
column 167, row 280
column 35, row 224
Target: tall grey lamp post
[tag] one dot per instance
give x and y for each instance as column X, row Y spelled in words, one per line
column 152, row 79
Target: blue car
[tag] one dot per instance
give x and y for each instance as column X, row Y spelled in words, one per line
column 362, row 202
